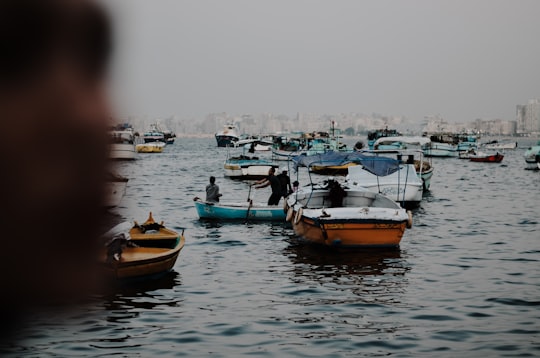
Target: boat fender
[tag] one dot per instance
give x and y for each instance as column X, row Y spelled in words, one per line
column 290, row 213
column 298, row 216
column 409, row 220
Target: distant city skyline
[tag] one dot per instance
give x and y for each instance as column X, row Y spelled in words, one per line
column 458, row 59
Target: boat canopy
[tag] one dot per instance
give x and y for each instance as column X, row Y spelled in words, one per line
column 380, row 166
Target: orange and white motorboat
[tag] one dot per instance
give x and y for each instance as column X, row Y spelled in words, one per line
column 349, row 217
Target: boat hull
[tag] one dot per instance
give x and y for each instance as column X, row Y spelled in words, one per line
column 435, row 149
column 139, row 262
column 226, row 140
column 115, row 189
column 366, row 219
column 122, row 151
column 151, row 147
column 350, row 233
column 495, row 158
column 279, row 154
column 238, row 211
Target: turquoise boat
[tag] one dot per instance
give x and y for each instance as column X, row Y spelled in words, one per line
column 239, row 211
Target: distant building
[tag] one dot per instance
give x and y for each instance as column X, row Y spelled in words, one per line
column 528, row 118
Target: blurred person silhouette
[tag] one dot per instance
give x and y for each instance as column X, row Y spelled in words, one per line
column 53, row 116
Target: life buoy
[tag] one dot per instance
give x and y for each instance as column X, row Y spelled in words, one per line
column 290, row 213
column 298, row 216
column 409, row 220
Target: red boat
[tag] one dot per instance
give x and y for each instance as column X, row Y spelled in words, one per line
column 488, row 158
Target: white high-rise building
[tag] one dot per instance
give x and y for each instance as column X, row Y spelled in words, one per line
column 528, row 117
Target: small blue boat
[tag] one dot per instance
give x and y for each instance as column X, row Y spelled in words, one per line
column 239, row 211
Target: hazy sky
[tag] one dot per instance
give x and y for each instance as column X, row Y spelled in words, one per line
column 460, row 59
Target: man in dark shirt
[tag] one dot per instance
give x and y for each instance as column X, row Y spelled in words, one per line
column 285, row 183
column 336, row 194
column 273, row 181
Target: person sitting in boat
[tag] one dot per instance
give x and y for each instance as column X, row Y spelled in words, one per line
column 284, row 182
column 273, row 181
column 295, row 185
column 118, row 239
column 336, row 193
column 212, row 191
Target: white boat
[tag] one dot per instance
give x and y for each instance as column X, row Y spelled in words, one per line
column 227, row 136
column 122, row 144
column 532, row 156
column 115, row 189
column 404, row 185
column 245, row 167
column 499, row 145
column 253, row 145
column 400, row 142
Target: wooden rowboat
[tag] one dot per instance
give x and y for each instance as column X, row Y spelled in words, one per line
column 155, row 251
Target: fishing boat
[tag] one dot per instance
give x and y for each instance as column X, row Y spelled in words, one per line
column 146, row 251
column 150, row 147
column 287, row 147
column 486, row 158
column 227, row 136
column 311, row 144
column 466, row 141
column 531, row 156
column 357, row 218
column 403, row 146
column 441, row 145
column 247, row 211
column 246, row 167
column 375, row 134
column 115, row 189
column 153, row 135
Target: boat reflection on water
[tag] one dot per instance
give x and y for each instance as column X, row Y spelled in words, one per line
column 368, row 275
column 142, row 294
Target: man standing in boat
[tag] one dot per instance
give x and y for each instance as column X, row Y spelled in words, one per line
column 273, row 181
column 285, row 183
column 212, row 191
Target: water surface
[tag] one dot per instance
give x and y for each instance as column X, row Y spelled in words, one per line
column 464, row 282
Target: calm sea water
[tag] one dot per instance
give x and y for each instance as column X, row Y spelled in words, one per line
column 465, row 281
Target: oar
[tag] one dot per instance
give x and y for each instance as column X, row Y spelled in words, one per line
column 250, row 203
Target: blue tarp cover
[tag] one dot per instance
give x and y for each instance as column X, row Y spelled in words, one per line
column 380, row 166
